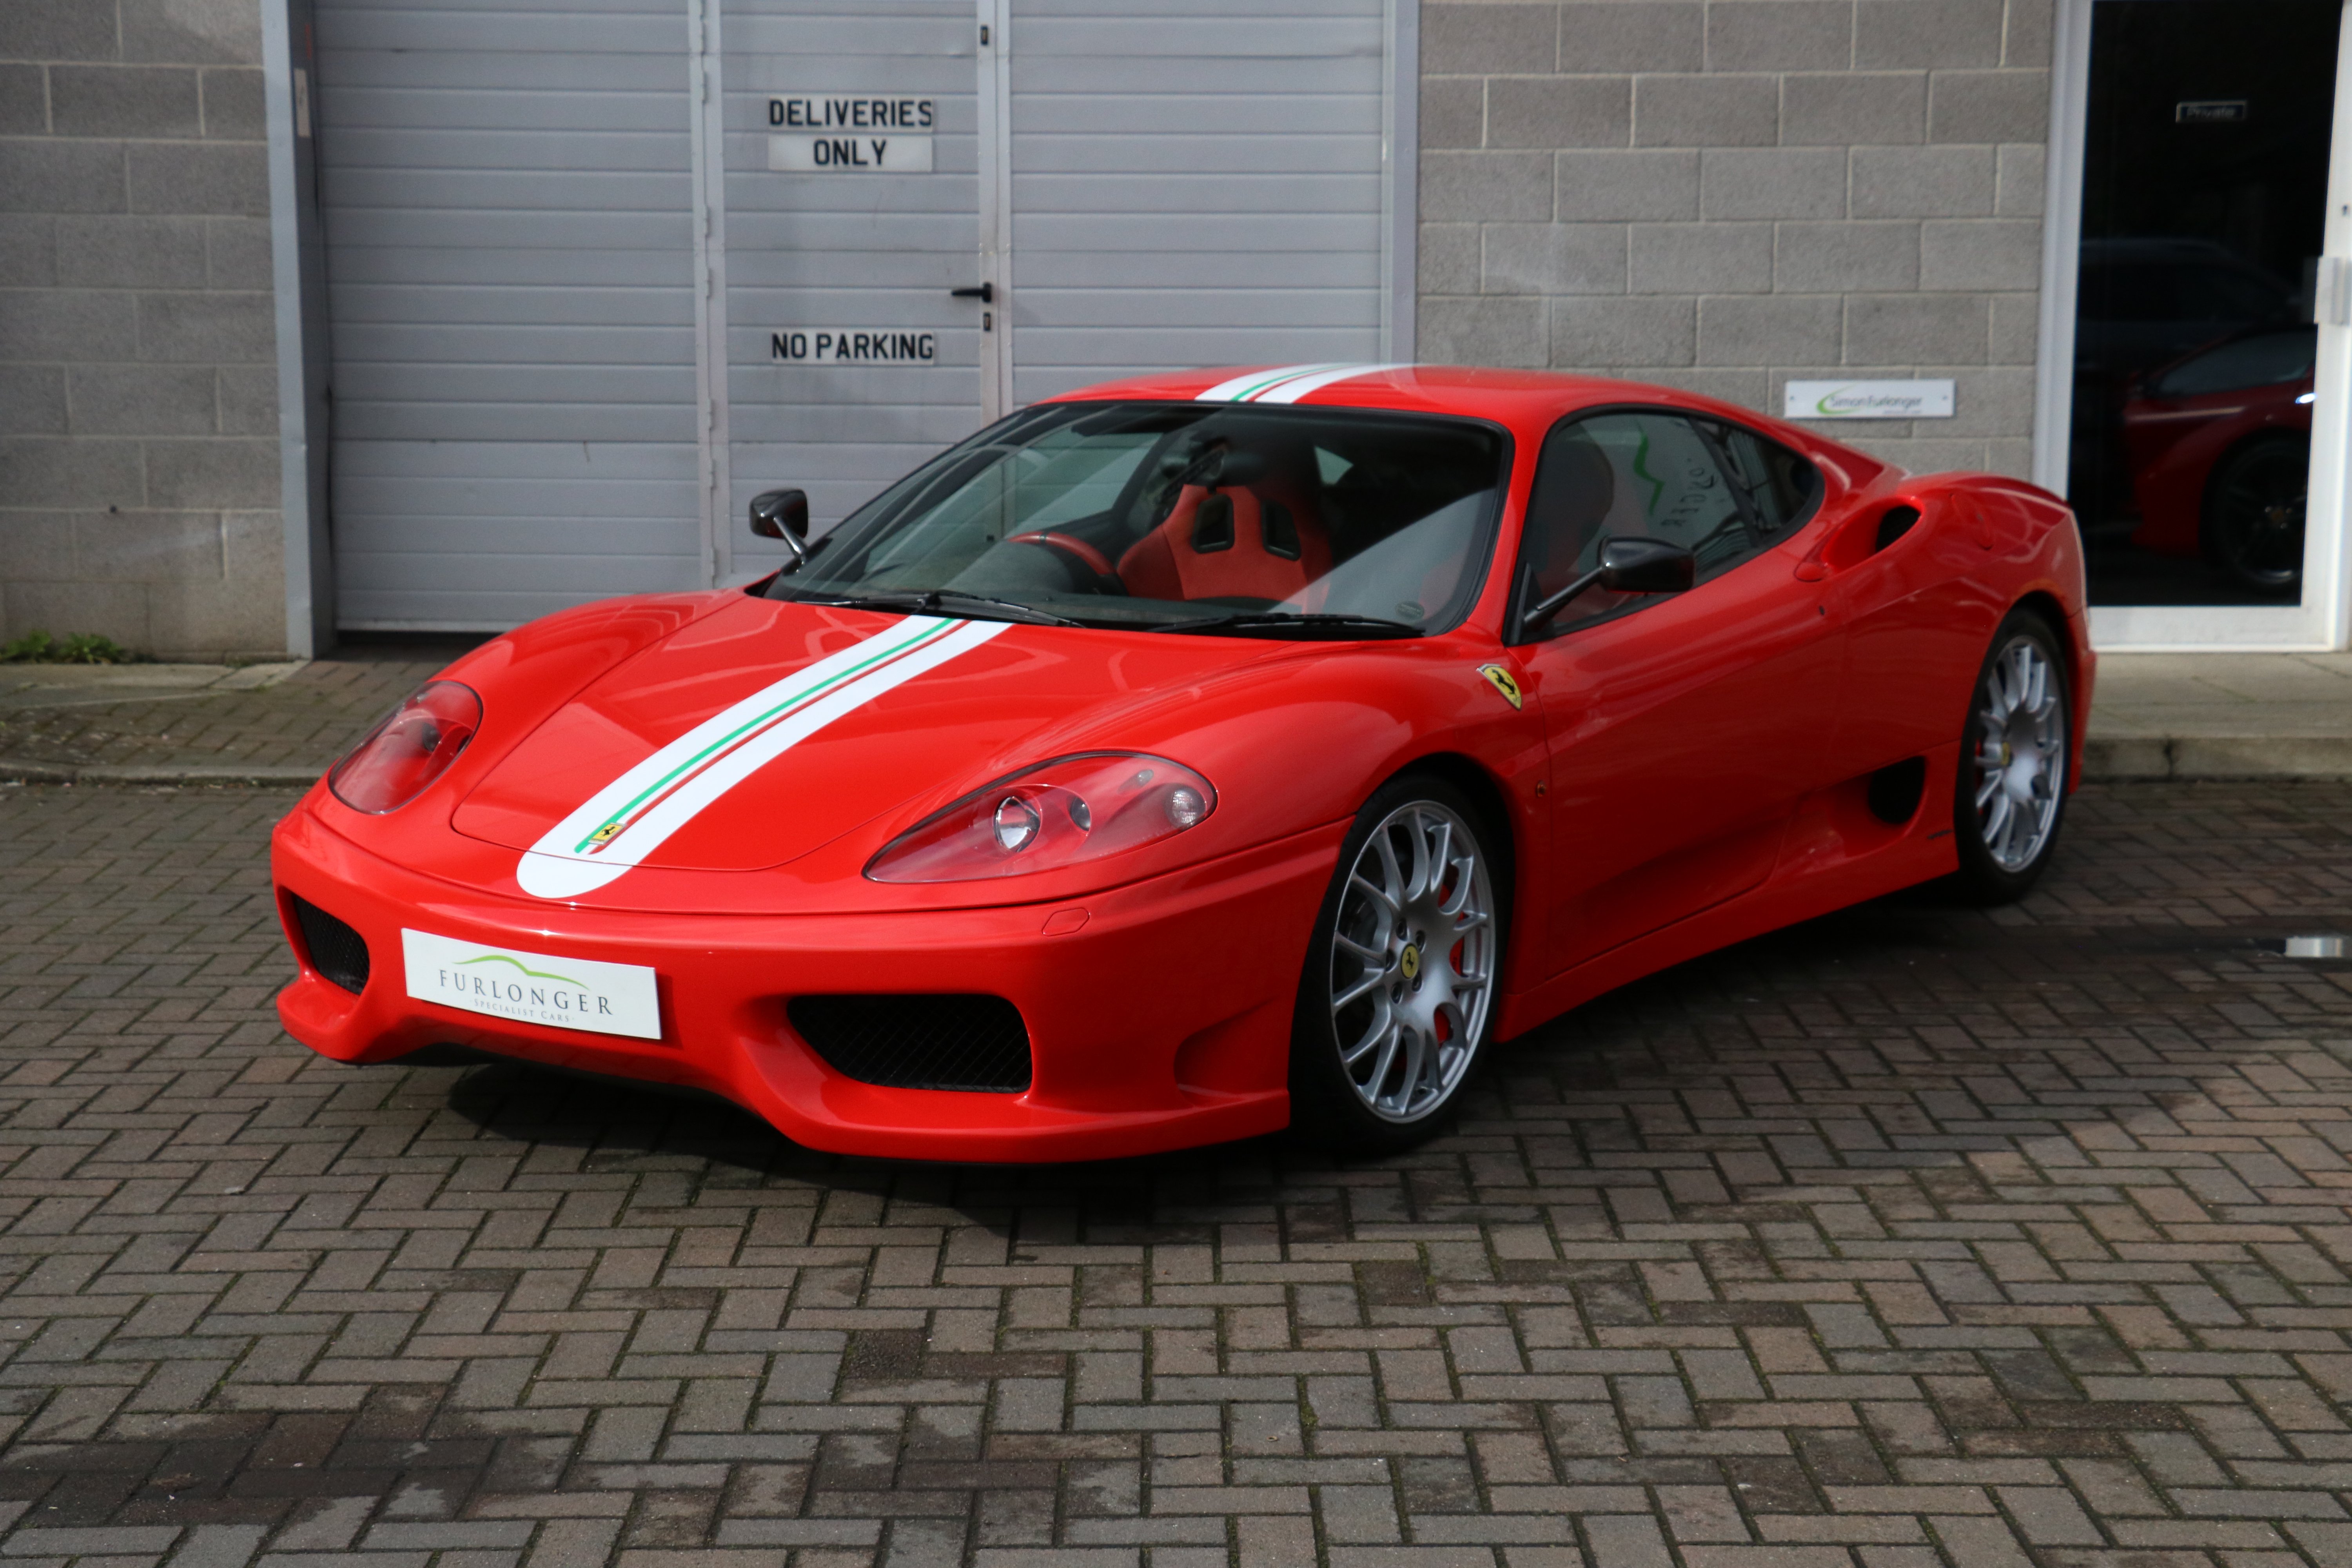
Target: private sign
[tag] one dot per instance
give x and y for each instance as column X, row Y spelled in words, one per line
column 851, row 133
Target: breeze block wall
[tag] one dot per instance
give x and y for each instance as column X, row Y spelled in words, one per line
column 139, row 455
column 1724, row 195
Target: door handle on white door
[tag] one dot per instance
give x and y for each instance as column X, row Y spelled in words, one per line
column 985, row 294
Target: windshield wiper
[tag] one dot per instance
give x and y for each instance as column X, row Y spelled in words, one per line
column 929, row 600
column 1280, row 621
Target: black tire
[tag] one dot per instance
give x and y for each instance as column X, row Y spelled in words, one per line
column 2253, row 513
column 1419, row 1020
column 2006, row 843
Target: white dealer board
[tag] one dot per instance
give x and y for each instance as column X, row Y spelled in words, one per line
column 1867, row 400
column 857, row 133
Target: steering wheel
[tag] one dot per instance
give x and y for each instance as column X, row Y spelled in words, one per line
column 1095, row 562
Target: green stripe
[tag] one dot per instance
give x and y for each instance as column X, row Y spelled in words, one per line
column 733, row 735
column 1245, row 394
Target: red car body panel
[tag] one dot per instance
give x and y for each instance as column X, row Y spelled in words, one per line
column 1672, row 780
column 2175, row 443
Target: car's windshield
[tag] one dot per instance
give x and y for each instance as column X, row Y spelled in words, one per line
column 1183, row 516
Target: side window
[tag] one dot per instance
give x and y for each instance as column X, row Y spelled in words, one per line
column 1641, row 475
column 1781, row 487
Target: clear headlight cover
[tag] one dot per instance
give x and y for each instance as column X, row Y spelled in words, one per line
column 391, row 765
column 1062, row 812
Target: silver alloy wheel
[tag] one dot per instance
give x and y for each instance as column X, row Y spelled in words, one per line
column 2021, row 758
column 1412, row 960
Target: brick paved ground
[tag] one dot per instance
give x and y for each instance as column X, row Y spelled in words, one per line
column 2016, row 1238
column 307, row 720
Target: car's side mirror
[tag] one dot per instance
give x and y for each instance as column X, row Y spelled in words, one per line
column 782, row 514
column 1627, row 566
column 1646, row 566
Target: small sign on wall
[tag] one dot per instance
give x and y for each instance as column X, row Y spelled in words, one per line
column 798, row 345
column 1867, row 400
column 851, row 133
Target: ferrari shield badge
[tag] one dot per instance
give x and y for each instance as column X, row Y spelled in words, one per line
column 1502, row 680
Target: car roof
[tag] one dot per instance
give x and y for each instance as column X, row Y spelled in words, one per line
column 1521, row 398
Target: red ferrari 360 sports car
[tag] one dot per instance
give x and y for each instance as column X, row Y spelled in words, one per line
column 1201, row 754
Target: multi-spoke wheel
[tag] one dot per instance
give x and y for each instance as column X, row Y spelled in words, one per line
column 2254, row 511
column 2012, row 775
column 1401, row 978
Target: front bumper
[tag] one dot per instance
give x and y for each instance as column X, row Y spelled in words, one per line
column 1159, row 1014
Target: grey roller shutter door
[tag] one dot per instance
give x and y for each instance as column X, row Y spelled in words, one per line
column 506, row 197
column 1195, row 183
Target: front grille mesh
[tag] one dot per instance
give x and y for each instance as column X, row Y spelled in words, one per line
column 337, row 950
column 977, row 1044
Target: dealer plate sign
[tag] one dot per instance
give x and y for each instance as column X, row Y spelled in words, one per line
column 1867, row 400
column 531, row 987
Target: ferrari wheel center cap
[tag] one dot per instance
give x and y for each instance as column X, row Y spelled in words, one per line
column 1409, row 961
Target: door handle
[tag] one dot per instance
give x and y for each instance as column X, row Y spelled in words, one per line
column 985, row 294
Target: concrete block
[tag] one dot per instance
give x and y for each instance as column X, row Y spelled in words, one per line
column 1980, row 253
column 1937, row 35
column 1499, row 188
column 1920, row 454
column 1987, row 400
column 1465, row 40
column 1923, row 182
column 117, row 610
column 1558, row 111
column 2011, row 456
column 1657, row 36
column 1701, row 258
column 220, row 472
column 1494, row 331
column 2020, row 181
column 1780, row 35
column 1766, row 329
column 28, row 251
column 57, row 30
column 124, row 101
column 68, row 471
column 32, row 400
column 142, row 399
column 231, row 179
column 1845, row 257
column 1452, row 111
column 234, row 107
column 1707, row 110
column 1447, row 259
column 192, row 32
column 1554, row 258
column 60, row 176
column 242, row 609
column 2016, row 336
column 1989, row 106
column 237, row 254
column 67, row 324
column 147, row 546
column 1596, row 332
column 2031, row 25
column 1917, row 328
column 208, row 329
column 1627, row 185
column 1773, row 183
column 124, row 252
column 1853, row 108
column 24, row 100
column 248, row 400
column 36, row 546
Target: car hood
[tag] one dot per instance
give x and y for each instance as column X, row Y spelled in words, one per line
column 769, row 729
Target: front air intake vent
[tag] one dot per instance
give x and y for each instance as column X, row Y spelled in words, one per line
column 976, row 1044
column 337, row 951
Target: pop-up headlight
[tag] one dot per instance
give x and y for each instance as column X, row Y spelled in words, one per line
column 1057, row 814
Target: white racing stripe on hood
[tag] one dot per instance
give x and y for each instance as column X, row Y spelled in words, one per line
column 627, row 820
